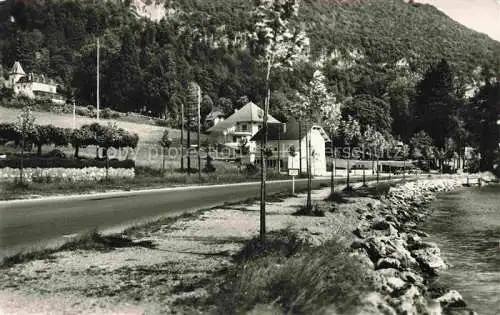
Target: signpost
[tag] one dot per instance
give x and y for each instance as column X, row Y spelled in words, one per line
column 293, row 172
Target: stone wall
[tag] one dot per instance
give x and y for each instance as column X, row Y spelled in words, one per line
column 69, row 174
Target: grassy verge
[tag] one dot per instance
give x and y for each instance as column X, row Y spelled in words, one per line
column 289, row 277
column 145, row 178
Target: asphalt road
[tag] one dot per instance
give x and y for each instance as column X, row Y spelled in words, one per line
column 31, row 223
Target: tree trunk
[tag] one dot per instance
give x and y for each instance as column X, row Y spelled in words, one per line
column 189, row 151
column 107, row 163
column 348, row 168
column 77, row 149
column 300, row 148
column 39, row 149
column 364, row 176
column 373, row 165
column 404, row 168
column 378, row 170
column 332, row 180
column 163, row 164
column 264, row 157
column 22, row 160
column 309, row 173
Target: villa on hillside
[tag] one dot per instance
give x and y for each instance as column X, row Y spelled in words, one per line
column 280, row 137
column 243, row 123
column 213, row 118
column 31, row 85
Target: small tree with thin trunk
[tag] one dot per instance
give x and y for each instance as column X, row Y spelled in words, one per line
column 330, row 118
column 278, row 44
column 165, row 142
column 405, row 151
column 244, row 150
column 310, row 110
column 351, row 132
column 380, row 145
column 26, row 128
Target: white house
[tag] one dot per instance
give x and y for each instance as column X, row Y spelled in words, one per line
column 32, row 85
column 244, row 123
column 280, row 137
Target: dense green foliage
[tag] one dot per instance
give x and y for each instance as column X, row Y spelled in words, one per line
column 145, row 66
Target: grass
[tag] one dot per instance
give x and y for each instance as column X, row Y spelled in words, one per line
column 91, row 240
column 313, row 211
column 145, row 178
column 292, row 278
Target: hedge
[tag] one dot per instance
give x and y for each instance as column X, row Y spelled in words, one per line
column 41, row 162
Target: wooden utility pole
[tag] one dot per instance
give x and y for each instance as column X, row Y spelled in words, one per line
column 189, row 147
column 182, row 137
column 199, row 130
column 98, row 78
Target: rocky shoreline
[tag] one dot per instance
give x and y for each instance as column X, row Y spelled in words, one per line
column 389, row 242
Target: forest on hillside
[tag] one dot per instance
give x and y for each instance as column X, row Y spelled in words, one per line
column 148, row 64
column 376, row 57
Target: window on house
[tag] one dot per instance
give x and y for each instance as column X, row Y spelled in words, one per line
column 244, row 127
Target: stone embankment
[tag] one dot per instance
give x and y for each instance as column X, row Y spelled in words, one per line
column 391, row 244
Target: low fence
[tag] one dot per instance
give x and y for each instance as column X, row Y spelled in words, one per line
column 38, row 174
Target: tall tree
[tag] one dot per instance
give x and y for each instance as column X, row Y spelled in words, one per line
column 436, row 102
column 482, row 122
column 369, row 110
column 125, row 73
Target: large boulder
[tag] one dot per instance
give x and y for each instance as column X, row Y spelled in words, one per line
column 387, row 262
column 429, row 259
column 451, row 299
column 374, row 304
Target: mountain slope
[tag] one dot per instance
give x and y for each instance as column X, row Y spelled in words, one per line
column 147, row 63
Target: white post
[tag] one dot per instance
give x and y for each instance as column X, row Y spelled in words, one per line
column 293, row 185
column 74, row 115
column 97, row 78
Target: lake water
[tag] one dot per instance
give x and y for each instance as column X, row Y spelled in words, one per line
column 466, row 226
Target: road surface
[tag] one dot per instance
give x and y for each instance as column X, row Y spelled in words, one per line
column 28, row 223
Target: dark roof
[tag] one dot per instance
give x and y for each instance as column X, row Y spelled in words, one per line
column 290, row 132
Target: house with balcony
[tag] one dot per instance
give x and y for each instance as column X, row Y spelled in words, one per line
column 281, row 137
column 32, row 85
column 242, row 124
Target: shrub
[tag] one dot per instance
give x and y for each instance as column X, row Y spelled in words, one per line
column 162, row 123
column 82, row 111
column 209, row 166
column 55, row 154
column 252, row 169
column 9, row 132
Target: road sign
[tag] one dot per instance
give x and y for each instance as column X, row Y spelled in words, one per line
column 293, row 171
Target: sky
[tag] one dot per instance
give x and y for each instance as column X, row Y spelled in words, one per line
column 480, row 15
